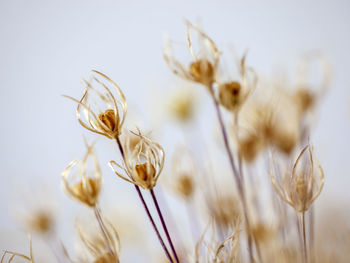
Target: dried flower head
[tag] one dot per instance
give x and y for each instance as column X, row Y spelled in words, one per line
column 303, row 185
column 107, row 122
column 81, row 186
column 103, row 249
column 143, row 163
column 233, row 94
column 204, row 65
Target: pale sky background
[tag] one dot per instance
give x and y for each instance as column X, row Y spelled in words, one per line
column 46, row 47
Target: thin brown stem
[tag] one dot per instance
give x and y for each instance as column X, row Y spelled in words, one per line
column 146, row 208
column 304, row 236
column 234, row 171
column 164, row 225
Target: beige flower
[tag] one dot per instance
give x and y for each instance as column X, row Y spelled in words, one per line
column 81, row 187
column 205, row 62
column 303, row 185
column 143, row 163
column 107, row 122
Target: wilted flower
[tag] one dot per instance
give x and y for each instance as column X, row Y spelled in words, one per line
column 204, row 65
column 143, row 163
column 80, row 186
column 103, row 249
column 233, row 94
column 108, row 122
column 303, row 185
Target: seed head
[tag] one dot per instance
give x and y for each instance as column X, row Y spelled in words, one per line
column 203, row 67
column 303, row 185
column 82, row 188
column 143, row 163
column 108, row 122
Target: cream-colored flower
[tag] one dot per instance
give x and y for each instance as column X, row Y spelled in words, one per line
column 233, row 94
column 109, row 121
column 303, row 185
column 143, row 163
column 80, row 186
column 103, row 249
column 205, row 62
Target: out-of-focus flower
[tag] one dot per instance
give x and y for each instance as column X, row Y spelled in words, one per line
column 204, row 65
column 182, row 106
column 233, row 94
column 107, row 122
column 143, row 163
column 303, row 185
column 103, row 249
column 81, row 186
column 183, row 173
column 40, row 221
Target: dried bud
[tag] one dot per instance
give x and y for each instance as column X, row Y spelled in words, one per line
column 86, row 189
column 143, row 163
column 230, row 95
column 203, row 68
column 303, row 185
column 202, row 72
column 108, row 123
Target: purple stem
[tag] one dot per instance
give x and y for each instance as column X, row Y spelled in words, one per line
column 164, row 226
column 146, row 207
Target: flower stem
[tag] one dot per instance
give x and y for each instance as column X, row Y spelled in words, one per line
column 146, row 208
column 304, row 235
column 103, row 229
column 164, row 226
column 234, row 171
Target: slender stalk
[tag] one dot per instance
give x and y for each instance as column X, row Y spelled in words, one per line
column 164, row 225
column 304, row 235
column 234, row 171
column 146, row 208
column 103, row 230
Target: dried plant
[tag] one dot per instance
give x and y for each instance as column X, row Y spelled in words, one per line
column 80, row 186
column 143, row 163
column 108, row 122
column 245, row 222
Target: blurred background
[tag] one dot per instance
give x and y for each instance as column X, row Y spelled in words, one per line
column 47, row 47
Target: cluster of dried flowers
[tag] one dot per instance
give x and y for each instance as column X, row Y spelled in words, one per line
column 240, row 225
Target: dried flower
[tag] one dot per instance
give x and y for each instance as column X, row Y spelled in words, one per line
column 83, row 188
column 96, row 243
column 143, row 163
column 204, row 65
column 303, row 185
column 233, row 94
column 108, row 122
